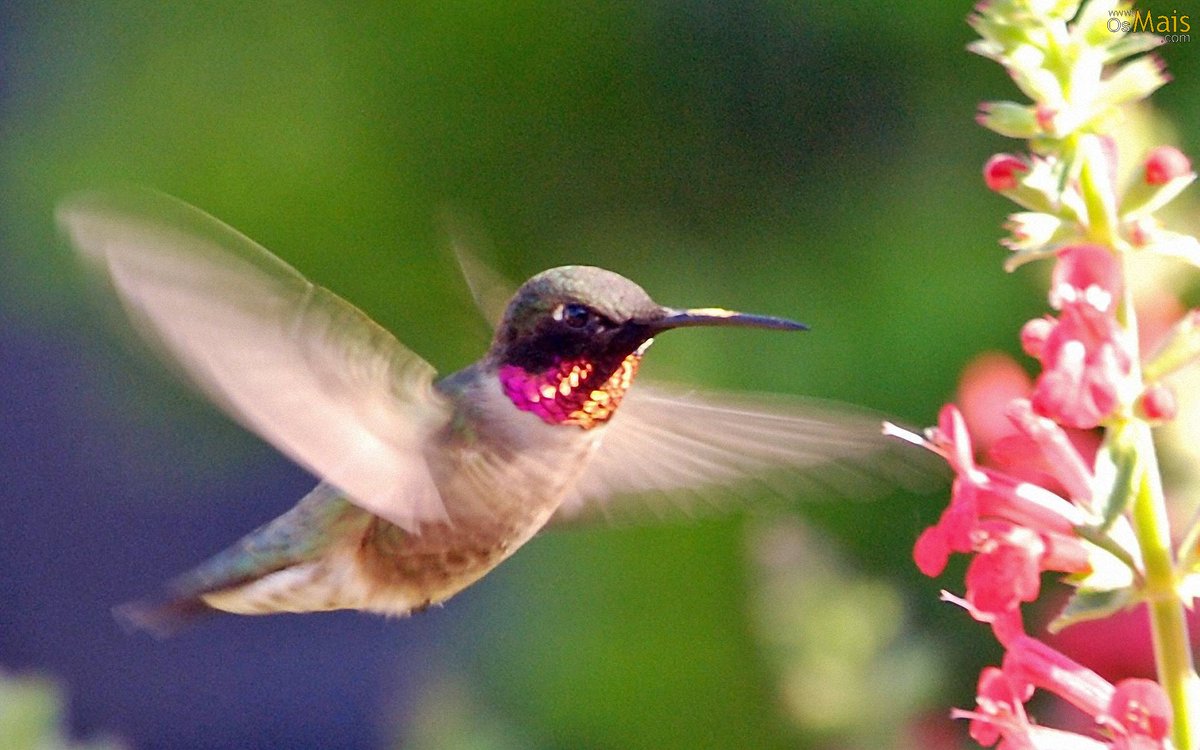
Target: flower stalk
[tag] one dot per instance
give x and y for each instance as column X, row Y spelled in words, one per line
column 1168, row 624
column 1096, row 513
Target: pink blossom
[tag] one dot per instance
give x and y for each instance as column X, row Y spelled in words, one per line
column 993, row 394
column 1034, row 335
column 1089, row 276
column 1000, row 707
column 1140, row 707
column 1086, row 357
column 1029, row 662
column 1135, row 713
column 1007, row 569
column 1017, row 529
column 988, row 382
column 1057, row 454
column 1009, row 561
column 980, row 492
column 1000, row 716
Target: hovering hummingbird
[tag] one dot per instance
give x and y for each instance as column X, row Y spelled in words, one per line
column 427, row 484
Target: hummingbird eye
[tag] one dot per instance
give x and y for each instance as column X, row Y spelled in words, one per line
column 574, row 315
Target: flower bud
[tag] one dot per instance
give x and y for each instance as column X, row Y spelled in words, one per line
column 1157, row 403
column 1167, row 171
column 1009, row 119
column 1002, row 172
column 1164, row 164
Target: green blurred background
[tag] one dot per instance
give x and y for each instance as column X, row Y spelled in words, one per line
column 814, row 160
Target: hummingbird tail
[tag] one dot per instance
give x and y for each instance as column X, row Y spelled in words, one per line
column 161, row 619
column 291, row 564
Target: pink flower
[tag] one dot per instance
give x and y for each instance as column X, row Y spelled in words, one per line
column 1056, row 451
column 1140, row 707
column 1034, row 335
column 1009, row 561
column 990, row 381
column 1135, row 713
column 1119, row 645
column 1087, row 275
column 984, row 492
column 1164, row 164
column 1007, row 569
column 1001, row 707
column 1086, row 358
column 1002, row 172
column 1017, row 529
column 1032, row 664
column 993, row 394
column 1000, row 717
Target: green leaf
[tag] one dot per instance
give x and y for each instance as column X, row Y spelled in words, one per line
column 1091, row 604
column 1132, row 44
column 1142, row 198
column 1179, row 349
column 1117, row 469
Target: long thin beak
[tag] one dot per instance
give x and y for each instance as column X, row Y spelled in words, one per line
column 715, row 316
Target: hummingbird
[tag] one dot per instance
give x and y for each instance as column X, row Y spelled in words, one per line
column 428, row 484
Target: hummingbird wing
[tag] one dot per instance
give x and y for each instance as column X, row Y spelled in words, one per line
column 684, row 449
column 291, row 361
column 489, row 290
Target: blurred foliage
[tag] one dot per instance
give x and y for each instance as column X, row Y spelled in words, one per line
column 816, row 160
column 448, row 716
column 31, row 717
column 845, row 661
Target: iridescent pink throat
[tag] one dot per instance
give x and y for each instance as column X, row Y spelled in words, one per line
column 564, row 394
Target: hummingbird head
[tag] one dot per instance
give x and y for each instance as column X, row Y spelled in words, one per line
column 572, row 337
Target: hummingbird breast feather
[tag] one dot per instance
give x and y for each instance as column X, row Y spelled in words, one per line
column 501, row 480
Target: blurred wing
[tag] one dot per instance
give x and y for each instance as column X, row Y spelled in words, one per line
column 490, row 291
column 291, row 361
column 690, row 449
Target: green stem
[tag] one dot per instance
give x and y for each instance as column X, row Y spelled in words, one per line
column 1095, row 187
column 1106, row 542
column 1168, row 624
